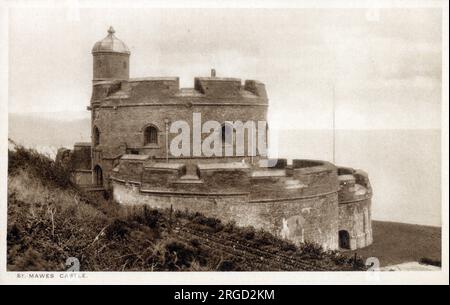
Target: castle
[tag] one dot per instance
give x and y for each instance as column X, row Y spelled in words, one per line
column 130, row 157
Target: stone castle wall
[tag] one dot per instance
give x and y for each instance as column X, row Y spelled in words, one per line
column 121, row 110
column 355, row 218
column 111, row 66
column 299, row 220
column 299, row 202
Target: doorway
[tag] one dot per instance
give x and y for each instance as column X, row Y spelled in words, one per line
column 344, row 240
column 98, row 175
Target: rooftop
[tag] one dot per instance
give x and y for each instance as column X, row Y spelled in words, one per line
column 110, row 44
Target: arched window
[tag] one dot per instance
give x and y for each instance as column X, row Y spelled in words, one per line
column 227, row 134
column 150, row 135
column 96, row 136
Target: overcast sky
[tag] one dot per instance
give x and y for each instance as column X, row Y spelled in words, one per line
column 385, row 64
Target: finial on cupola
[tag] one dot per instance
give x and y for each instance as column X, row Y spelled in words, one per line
column 111, row 30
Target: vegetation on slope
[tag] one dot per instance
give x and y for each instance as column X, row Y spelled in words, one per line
column 50, row 221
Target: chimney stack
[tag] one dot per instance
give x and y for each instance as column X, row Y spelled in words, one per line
column 213, row 72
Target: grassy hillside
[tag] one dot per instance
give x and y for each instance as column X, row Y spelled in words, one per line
column 49, row 221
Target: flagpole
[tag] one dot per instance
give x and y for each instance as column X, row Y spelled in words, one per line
column 334, row 122
column 334, row 105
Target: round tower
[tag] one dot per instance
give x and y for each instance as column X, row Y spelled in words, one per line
column 111, row 58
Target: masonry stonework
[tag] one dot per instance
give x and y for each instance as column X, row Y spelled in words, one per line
column 302, row 201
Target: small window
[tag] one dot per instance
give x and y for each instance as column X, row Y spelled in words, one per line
column 96, row 136
column 124, row 64
column 134, row 152
column 150, row 135
column 227, row 134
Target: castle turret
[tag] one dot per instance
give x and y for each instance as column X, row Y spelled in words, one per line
column 111, row 58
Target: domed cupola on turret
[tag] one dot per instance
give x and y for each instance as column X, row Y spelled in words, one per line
column 111, row 58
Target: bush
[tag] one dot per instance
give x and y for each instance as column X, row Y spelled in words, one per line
column 146, row 216
column 312, row 250
column 248, row 233
column 39, row 165
column 226, row 265
column 431, row 262
column 263, row 238
column 178, row 255
column 118, row 229
column 213, row 223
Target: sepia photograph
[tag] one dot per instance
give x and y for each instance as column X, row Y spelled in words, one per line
column 183, row 141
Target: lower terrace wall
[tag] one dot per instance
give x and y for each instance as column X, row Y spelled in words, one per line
column 313, row 219
column 312, row 201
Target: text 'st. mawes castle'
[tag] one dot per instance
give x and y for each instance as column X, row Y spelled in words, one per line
column 130, row 156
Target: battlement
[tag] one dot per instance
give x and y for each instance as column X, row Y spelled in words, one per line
column 160, row 87
column 278, row 180
column 354, row 185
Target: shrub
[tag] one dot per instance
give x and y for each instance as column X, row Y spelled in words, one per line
column 118, row 229
column 263, row 238
column 226, row 265
column 151, row 217
column 146, row 216
column 41, row 166
column 288, row 247
column 229, row 227
column 178, row 254
column 213, row 223
column 248, row 233
column 431, row 262
column 312, row 250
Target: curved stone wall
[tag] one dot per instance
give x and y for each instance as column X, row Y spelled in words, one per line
column 313, row 219
column 299, row 203
column 121, row 109
column 355, row 219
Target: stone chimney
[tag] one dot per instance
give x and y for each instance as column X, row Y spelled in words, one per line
column 213, row 72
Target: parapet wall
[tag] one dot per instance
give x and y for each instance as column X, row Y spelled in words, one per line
column 161, row 88
column 260, row 182
column 299, row 203
column 299, row 220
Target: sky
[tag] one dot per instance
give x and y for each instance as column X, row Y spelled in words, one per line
column 381, row 67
